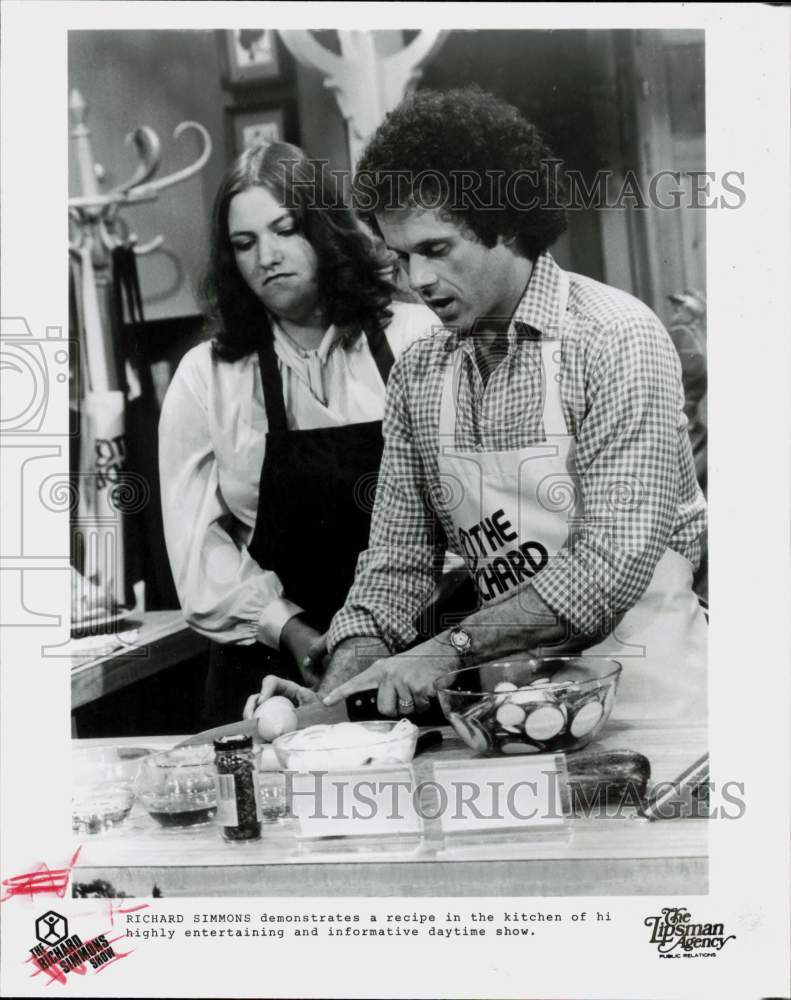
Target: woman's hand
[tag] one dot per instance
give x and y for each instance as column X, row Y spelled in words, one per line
column 306, row 646
column 406, row 682
column 273, row 685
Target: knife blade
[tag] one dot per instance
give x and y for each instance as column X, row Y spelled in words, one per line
column 359, row 707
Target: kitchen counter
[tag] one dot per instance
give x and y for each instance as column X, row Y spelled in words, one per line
column 150, row 642
column 605, row 855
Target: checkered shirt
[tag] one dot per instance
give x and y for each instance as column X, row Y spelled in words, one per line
column 622, row 399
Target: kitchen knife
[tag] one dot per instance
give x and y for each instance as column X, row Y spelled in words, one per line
column 359, row 707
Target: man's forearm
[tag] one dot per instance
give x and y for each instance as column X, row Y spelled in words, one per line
column 520, row 623
column 523, row 621
column 350, row 658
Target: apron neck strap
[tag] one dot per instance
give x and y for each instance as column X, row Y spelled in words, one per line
column 379, row 347
column 447, row 408
column 273, row 387
column 551, row 357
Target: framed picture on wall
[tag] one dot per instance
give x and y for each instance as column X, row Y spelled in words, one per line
column 251, row 56
column 254, row 124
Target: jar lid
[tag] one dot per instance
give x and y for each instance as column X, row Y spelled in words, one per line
column 233, row 743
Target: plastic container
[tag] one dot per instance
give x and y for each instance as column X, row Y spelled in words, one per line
column 347, row 745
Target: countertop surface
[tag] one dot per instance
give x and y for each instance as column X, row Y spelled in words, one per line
column 595, row 855
column 144, row 644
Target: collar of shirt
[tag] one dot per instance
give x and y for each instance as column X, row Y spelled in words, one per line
column 292, row 352
column 307, row 365
column 536, row 315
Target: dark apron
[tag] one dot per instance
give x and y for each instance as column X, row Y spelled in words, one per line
column 315, row 499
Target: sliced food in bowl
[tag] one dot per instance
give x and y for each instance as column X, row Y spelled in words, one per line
column 531, row 704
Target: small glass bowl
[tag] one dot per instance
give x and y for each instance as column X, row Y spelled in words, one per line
column 103, row 787
column 271, row 790
column 347, row 745
column 531, row 705
column 178, row 788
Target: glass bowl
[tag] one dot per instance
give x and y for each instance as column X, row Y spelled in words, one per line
column 272, row 798
column 103, row 786
column 177, row 787
column 347, row 745
column 531, row 705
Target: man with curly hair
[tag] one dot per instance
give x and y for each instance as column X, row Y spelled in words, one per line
column 539, row 434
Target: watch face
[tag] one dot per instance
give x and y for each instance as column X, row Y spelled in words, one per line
column 460, row 640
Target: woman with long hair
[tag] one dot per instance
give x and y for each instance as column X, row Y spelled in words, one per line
column 270, row 435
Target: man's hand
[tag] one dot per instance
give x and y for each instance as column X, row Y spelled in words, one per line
column 273, row 685
column 405, row 681
column 350, row 658
column 306, row 646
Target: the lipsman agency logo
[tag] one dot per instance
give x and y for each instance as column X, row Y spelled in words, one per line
column 66, row 953
column 676, row 936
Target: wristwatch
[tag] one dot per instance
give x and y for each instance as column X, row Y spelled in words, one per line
column 461, row 640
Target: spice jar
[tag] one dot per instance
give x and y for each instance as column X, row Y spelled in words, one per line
column 237, row 811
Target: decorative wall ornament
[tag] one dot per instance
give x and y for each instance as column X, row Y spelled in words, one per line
column 366, row 83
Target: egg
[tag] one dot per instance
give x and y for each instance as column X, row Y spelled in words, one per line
column 275, row 716
column 510, row 715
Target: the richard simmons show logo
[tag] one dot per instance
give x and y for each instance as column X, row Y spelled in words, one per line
column 68, row 953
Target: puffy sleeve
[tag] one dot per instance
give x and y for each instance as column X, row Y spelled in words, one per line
column 410, row 321
column 224, row 593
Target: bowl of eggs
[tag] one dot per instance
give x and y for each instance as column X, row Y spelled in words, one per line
column 531, row 705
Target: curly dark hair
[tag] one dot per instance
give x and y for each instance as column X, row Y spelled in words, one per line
column 471, row 156
column 354, row 287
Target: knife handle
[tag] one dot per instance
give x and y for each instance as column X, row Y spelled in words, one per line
column 362, row 708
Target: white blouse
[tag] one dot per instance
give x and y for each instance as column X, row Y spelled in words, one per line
column 212, row 435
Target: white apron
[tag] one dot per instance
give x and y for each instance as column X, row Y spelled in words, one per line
column 512, row 512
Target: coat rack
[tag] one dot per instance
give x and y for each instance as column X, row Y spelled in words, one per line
column 106, row 488
column 97, row 226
